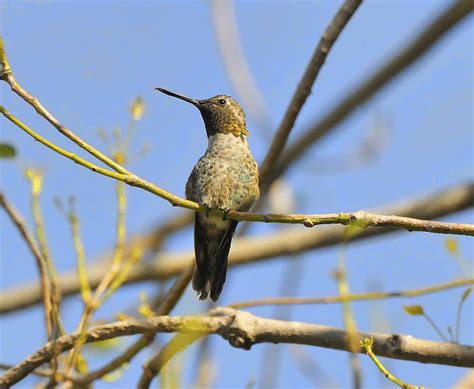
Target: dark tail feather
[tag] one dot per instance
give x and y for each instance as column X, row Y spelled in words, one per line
column 201, row 270
column 211, row 258
column 221, row 259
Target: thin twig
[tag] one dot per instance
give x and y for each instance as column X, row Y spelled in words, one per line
column 46, row 373
column 330, row 35
column 367, row 345
column 434, row 326
column 94, row 303
column 464, row 296
column 81, row 267
column 36, row 182
column 243, row 330
column 27, row 236
column 349, row 321
column 355, row 296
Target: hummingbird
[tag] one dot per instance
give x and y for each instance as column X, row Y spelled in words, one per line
column 225, row 178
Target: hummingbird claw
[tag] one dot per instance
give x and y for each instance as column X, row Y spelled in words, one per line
column 224, row 214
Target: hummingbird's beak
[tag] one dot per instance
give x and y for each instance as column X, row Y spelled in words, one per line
column 177, row 95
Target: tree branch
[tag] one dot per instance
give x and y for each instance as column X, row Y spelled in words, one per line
column 45, row 292
column 249, row 250
column 243, row 330
column 435, row 30
column 303, row 90
column 354, row 296
column 359, row 218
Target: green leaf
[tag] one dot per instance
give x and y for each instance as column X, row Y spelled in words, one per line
column 466, row 294
column 7, row 151
column 414, row 310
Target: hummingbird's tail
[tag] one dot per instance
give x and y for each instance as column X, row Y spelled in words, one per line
column 212, row 240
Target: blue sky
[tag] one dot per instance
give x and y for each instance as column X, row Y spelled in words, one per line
column 87, row 60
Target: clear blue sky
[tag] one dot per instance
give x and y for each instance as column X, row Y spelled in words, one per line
column 87, row 60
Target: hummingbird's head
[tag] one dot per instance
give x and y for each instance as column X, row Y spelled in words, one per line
column 220, row 113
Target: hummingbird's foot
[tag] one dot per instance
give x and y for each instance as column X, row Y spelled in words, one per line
column 225, row 212
column 208, row 210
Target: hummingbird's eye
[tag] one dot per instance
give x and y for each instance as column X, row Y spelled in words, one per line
column 222, row 101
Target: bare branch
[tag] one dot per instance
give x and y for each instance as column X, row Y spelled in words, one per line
column 47, row 373
column 303, row 90
column 354, row 296
column 249, row 250
column 243, row 330
column 350, row 324
column 45, row 292
column 361, row 219
column 442, row 24
column 367, row 344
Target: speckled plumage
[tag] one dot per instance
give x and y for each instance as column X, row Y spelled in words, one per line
column 225, row 177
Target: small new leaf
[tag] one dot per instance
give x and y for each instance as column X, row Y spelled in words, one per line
column 81, row 364
column 451, row 246
column 7, row 151
column 137, row 108
column 145, row 310
column 414, row 310
column 105, row 345
column 115, row 375
column 123, row 316
column 466, row 294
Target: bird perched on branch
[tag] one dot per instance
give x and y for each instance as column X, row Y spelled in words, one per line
column 226, row 178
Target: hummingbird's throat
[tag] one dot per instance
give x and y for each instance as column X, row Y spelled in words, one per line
column 233, row 128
